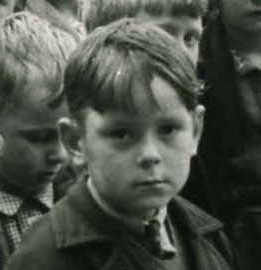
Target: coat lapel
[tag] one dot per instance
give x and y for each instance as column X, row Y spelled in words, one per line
column 132, row 256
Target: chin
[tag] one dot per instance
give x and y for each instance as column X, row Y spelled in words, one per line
column 155, row 203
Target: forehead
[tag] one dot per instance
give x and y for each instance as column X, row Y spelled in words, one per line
column 166, row 104
column 31, row 108
column 164, row 96
column 174, row 24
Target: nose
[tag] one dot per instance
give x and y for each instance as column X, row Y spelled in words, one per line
column 149, row 154
column 57, row 153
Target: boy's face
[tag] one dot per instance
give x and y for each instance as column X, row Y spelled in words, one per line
column 244, row 15
column 185, row 29
column 139, row 161
column 31, row 154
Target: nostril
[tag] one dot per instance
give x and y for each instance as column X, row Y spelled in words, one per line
column 59, row 156
column 53, row 158
column 57, row 151
column 147, row 163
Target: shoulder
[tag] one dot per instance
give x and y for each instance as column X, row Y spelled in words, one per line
column 30, row 255
column 47, row 237
column 193, row 217
column 201, row 228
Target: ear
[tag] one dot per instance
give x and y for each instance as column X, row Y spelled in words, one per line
column 71, row 137
column 198, row 119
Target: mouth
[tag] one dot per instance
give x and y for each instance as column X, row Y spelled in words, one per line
column 52, row 173
column 152, row 182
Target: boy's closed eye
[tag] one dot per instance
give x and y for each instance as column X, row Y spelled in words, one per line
column 40, row 136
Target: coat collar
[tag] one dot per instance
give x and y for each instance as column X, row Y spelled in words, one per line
column 10, row 203
column 91, row 224
column 193, row 218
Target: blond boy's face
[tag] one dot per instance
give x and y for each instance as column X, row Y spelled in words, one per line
column 139, row 161
column 185, row 29
column 32, row 153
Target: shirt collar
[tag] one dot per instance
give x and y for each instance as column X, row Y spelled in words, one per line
column 245, row 63
column 10, row 203
column 46, row 196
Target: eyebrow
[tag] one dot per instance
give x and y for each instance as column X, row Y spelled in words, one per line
column 129, row 121
column 36, row 128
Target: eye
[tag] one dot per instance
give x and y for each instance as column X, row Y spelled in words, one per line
column 119, row 134
column 40, row 136
column 192, row 39
column 167, row 129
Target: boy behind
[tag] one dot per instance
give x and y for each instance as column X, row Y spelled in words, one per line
column 133, row 96
column 181, row 18
column 32, row 57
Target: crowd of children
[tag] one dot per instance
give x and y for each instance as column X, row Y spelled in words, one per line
column 102, row 108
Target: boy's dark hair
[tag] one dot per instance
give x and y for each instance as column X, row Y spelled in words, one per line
column 102, row 12
column 103, row 70
column 30, row 45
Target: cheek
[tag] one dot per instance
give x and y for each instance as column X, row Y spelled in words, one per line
column 178, row 167
column 178, row 155
column 193, row 54
column 184, row 143
column 23, row 153
column 101, row 152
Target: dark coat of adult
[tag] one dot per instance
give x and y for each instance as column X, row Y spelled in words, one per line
column 231, row 143
column 78, row 235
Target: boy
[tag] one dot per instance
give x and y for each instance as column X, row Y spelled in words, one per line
column 231, row 144
column 181, row 18
column 64, row 14
column 32, row 57
column 132, row 92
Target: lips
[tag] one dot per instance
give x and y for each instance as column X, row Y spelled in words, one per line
column 152, row 182
column 52, row 172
